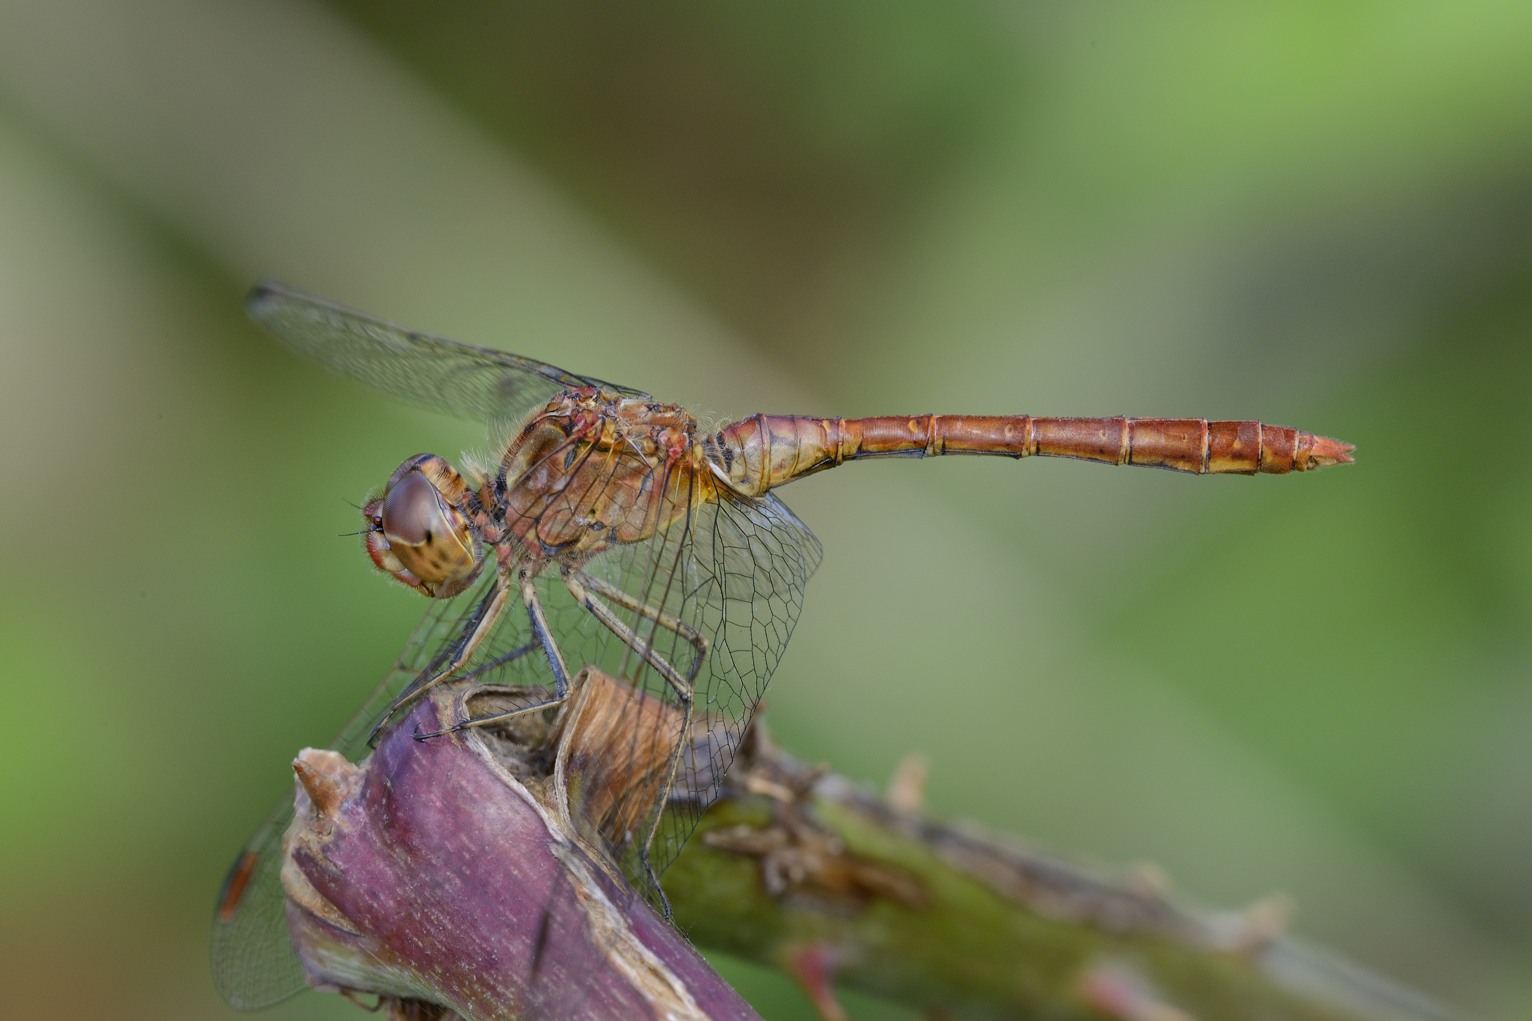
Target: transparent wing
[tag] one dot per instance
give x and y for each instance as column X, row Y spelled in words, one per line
column 430, row 372
column 734, row 571
column 746, row 563
column 253, row 962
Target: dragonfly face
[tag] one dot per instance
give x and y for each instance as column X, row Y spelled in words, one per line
column 420, row 531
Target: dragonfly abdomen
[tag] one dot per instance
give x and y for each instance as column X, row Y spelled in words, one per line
column 765, row 451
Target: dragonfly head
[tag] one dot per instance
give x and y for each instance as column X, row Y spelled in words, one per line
column 419, row 531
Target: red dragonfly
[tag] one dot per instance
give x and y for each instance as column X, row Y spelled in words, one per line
column 608, row 531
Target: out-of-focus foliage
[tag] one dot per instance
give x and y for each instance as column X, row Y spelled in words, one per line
column 1319, row 214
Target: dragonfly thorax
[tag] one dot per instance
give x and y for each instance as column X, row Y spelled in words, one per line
column 593, row 470
column 419, row 531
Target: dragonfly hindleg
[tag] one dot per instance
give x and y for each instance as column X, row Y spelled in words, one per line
column 589, row 592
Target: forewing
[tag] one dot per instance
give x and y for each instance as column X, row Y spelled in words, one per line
column 253, row 962
column 430, row 372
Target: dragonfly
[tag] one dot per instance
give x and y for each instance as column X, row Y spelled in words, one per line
column 608, row 531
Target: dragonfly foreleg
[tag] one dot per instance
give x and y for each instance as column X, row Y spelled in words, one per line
column 542, row 636
column 499, row 661
column 483, row 623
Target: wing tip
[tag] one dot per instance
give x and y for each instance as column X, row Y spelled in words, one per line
column 263, row 295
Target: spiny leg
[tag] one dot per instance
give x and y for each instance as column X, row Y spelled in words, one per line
column 543, row 636
column 484, row 619
column 499, row 661
column 696, row 639
column 577, row 582
column 586, row 596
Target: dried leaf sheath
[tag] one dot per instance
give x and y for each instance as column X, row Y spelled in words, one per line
column 617, row 757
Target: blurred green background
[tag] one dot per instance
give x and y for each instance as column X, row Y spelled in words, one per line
column 1315, row 213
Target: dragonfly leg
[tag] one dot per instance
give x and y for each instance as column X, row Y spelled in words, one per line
column 484, row 619
column 499, row 661
column 542, row 638
column 654, row 877
column 585, row 589
column 696, row 639
column 579, row 586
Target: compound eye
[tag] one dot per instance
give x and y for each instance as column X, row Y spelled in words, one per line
column 420, row 533
column 412, row 511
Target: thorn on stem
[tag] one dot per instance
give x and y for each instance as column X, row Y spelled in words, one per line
column 814, row 966
column 1256, row 927
column 326, row 778
column 907, row 787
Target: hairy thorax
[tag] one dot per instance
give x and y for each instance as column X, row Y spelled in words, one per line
column 595, row 469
